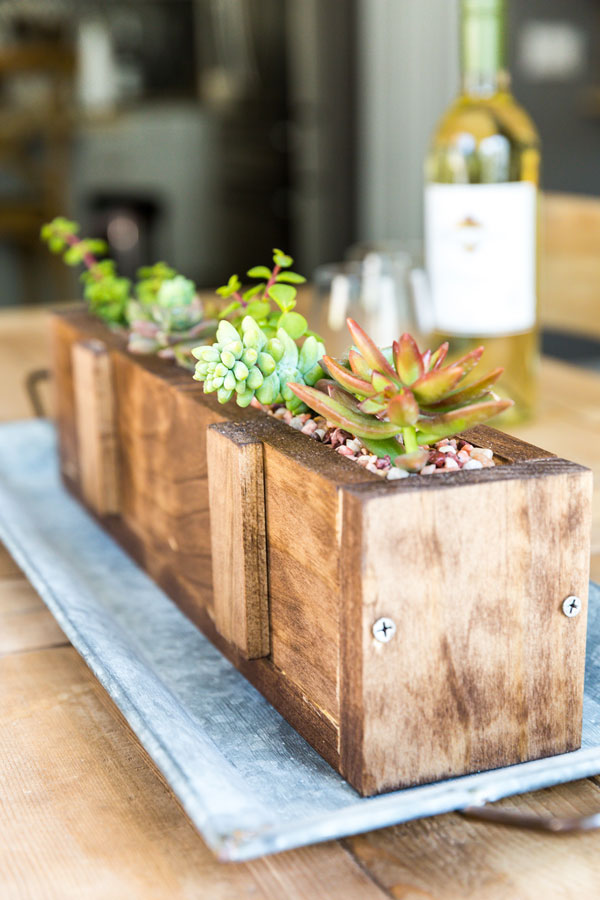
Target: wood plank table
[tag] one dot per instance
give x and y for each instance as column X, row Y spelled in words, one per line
column 84, row 813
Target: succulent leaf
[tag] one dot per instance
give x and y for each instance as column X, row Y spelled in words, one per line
column 403, row 409
column 252, row 334
column 275, row 348
column 470, row 360
column 259, row 272
column 309, row 354
column 294, row 324
column 412, row 462
column 431, row 387
column 439, row 355
column 369, row 351
column 283, row 295
column 282, row 259
column 386, row 447
column 475, row 391
column 258, row 309
column 407, row 359
column 347, row 379
column 358, row 365
column 291, row 278
column 290, row 349
column 372, row 406
column 383, row 385
column 226, row 332
column 344, row 398
column 358, row 423
column 460, row 419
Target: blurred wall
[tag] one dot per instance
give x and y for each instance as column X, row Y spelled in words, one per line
column 555, row 64
column 322, row 41
column 408, row 73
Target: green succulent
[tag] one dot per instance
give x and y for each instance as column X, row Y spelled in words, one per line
column 165, row 315
column 176, row 292
column 107, row 293
column 150, row 281
column 251, row 365
column 271, row 302
column 171, row 323
column 381, row 396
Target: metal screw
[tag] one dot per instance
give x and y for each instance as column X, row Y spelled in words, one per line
column 571, row 606
column 384, row 630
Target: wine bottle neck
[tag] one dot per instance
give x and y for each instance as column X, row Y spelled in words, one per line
column 483, row 47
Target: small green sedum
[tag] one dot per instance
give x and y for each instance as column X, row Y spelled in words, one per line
column 246, row 364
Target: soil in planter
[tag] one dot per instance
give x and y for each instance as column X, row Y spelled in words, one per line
column 448, row 455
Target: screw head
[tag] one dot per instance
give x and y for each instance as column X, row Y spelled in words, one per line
column 572, row 606
column 384, row 630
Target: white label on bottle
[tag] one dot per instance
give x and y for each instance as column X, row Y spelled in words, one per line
column 480, row 242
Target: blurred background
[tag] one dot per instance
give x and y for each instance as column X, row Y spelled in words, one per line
column 205, row 132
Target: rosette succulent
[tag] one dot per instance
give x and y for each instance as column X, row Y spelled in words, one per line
column 167, row 318
column 399, row 399
column 247, row 364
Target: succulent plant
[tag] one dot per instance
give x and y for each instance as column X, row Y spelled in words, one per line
column 150, row 280
column 147, row 336
column 382, row 396
column 106, row 292
column 252, row 365
column 170, row 320
column 271, row 302
column 165, row 314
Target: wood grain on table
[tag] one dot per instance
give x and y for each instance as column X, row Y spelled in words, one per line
column 86, row 814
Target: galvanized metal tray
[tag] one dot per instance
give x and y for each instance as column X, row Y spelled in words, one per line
column 247, row 780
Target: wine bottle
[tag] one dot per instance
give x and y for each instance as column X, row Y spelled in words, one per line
column 481, row 213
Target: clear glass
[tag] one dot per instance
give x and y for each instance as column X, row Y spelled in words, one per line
column 374, row 288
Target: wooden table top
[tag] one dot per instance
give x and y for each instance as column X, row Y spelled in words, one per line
column 86, row 814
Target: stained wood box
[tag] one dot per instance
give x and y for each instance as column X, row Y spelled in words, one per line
column 286, row 554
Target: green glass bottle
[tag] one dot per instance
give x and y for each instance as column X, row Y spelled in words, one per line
column 481, row 213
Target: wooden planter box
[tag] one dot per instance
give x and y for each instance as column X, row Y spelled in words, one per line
column 285, row 554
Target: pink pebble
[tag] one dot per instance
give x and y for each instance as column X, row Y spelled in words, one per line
column 345, row 451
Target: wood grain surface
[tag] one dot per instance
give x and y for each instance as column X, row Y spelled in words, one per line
column 86, row 815
column 164, row 518
column 238, row 537
column 468, row 682
column 570, row 263
column 26, row 622
column 95, row 426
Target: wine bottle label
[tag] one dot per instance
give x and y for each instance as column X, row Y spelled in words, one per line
column 480, row 245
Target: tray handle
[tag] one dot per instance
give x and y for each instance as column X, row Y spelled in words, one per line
column 33, row 380
column 554, row 824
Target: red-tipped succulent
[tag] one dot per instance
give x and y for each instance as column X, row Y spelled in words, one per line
column 399, row 399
